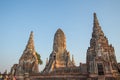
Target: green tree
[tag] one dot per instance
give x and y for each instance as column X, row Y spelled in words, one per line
column 39, row 58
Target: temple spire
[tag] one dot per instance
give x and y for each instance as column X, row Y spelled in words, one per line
column 96, row 23
column 97, row 31
column 30, row 44
column 59, row 41
column 29, row 60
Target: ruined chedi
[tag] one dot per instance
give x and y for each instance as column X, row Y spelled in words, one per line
column 59, row 57
column 101, row 58
column 28, row 62
column 101, row 63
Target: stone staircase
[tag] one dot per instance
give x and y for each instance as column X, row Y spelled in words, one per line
column 101, row 77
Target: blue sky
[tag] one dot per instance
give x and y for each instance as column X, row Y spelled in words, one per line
column 75, row 17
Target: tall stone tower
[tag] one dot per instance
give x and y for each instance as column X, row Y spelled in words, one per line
column 101, row 59
column 59, row 57
column 28, row 62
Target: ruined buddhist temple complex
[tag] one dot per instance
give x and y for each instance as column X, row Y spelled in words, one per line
column 101, row 63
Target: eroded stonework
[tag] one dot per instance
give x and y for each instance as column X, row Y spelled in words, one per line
column 59, row 57
column 101, row 59
column 28, row 62
column 101, row 63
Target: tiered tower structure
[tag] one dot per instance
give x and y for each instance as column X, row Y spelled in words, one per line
column 101, row 59
column 101, row 63
column 59, row 57
column 28, row 62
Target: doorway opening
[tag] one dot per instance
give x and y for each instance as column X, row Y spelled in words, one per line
column 100, row 69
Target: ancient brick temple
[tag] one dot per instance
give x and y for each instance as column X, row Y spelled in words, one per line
column 60, row 57
column 101, row 63
column 28, row 63
column 101, row 59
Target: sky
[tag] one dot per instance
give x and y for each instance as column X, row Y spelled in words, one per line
column 75, row 17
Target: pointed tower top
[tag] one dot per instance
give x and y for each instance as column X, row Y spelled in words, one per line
column 30, row 44
column 97, row 34
column 31, row 32
column 59, row 40
column 96, row 23
column 59, row 31
column 97, row 31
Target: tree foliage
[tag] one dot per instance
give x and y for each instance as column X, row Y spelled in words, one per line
column 39, row 58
